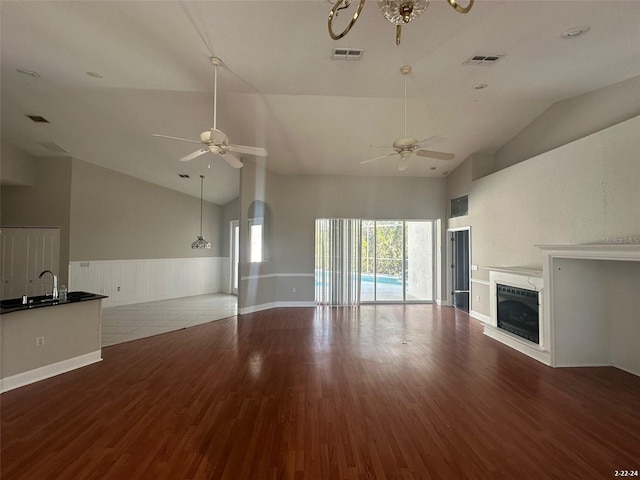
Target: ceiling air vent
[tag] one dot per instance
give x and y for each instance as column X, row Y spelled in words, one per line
column 347, row 53
column 484, row 60
column 38, row 119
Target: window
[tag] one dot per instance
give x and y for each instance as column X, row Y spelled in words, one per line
column 259, row 215
column 460, row 206
column 256, row 240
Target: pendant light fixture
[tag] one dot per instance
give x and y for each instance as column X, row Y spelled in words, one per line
column 200, row 241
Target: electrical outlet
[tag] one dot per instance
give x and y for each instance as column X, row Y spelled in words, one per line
column 477, row 298
column 118, row 288
column 294, row 290
column 474, row 268
column 39, row 341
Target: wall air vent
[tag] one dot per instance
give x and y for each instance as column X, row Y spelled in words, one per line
column 347, row 53
column 38, row 119
column 484, row 60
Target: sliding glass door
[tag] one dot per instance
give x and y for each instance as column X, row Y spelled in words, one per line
column 396, row 261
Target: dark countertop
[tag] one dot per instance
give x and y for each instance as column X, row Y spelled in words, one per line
column 16, row 305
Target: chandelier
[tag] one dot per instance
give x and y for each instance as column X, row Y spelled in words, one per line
column 398, row 12
column 200, row 241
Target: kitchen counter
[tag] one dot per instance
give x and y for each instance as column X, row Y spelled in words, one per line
column 16, row 305
column 39, row 342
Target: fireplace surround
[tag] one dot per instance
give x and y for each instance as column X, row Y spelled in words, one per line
column 517, row 294
column 588, row 315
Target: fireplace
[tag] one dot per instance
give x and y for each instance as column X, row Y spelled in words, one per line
column 518, row 312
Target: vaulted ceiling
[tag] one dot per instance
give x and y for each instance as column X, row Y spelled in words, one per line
column 281, row 89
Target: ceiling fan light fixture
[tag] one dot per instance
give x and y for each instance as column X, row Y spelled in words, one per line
column 406, row 146
column 214, row 140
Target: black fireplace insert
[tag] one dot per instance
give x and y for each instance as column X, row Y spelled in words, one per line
column 518, row 312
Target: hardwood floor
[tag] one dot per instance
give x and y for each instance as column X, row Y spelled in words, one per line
column 375, row 392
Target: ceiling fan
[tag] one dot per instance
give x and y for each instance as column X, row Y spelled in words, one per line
column 214, row 140
column 406, row 146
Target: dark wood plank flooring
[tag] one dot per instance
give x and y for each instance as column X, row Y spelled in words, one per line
column 304, row 393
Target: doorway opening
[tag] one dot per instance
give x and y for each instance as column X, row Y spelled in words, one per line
column 460, row 267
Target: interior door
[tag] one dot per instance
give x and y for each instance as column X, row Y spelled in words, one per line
column 460, row 267
column 26, row 252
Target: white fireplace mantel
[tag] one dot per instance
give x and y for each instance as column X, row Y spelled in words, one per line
column 591, row 305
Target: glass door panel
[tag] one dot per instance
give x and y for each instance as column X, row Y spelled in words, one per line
column 368, row 261
column 389, row 276
column 419, row 265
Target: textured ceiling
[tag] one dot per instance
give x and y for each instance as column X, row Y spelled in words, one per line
column 280, row 89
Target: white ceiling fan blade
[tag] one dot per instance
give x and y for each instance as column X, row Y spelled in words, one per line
column 438, row 155
column 174, row 138
column 430, row 141
column 378, row 158
column 381, row 146
column 243, row 149
column 232, row 160
column 193, row 155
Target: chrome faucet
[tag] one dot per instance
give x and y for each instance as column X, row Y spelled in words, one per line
column 55, row 283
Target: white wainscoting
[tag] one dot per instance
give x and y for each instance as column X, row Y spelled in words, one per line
column 136, row 281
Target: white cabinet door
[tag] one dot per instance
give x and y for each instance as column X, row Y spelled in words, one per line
column 25, row 253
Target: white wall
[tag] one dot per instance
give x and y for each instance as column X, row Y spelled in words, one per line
column 297, row 201
column 583, row 192
column 136, row 281
column 18, row 167
column 572, row 119
column 115, row 216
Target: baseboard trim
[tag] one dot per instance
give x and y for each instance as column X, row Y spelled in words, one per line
column 480, row 316
column 267, row 306
column 48, row 371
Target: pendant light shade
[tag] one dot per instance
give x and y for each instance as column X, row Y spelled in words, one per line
column 200, row 242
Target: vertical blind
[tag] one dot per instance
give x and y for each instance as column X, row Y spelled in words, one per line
column 337, row 269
